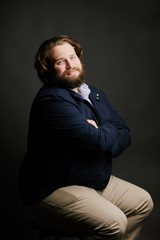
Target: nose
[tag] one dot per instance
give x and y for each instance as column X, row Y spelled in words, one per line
column 68, row 64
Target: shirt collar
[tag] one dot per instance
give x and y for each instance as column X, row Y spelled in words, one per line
column 84, row 90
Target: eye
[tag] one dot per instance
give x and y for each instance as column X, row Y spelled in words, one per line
column 60, row 62
column 73, row 57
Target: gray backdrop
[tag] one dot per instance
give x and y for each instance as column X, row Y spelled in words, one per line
column 121, row 41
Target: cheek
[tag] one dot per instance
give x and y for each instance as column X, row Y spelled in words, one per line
column 59, row 70
column 78, row 64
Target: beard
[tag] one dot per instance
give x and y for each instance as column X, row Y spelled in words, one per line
column 70, row 82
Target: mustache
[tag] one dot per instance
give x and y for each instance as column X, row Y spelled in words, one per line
column 71, row 69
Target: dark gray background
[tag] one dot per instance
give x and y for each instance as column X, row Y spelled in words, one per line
column 121, row 41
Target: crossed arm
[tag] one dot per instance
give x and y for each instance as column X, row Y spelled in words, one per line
column 63, row 118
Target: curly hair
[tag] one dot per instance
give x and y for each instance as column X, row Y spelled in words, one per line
column 43, row 59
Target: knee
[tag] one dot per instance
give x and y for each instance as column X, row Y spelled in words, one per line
column 145, row 205
column 113, row 229
column 119, row 227
column 148, row 203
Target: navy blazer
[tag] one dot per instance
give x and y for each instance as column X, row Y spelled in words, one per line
column 63, row 148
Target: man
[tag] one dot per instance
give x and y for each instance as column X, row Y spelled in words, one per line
column 74, row 132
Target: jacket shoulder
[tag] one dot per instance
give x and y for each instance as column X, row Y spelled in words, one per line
column 51, row 92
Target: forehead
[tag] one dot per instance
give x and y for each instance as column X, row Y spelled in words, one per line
column 62, row 51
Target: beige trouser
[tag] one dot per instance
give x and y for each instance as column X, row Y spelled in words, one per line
column 117, row 212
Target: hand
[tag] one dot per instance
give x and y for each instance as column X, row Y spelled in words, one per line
column 92, row 122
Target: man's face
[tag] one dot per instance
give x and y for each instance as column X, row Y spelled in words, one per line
column 67, row 67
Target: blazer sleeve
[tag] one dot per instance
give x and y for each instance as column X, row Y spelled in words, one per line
column 123, row 139
column 64, row 118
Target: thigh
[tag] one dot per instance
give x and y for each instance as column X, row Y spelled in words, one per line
column 126, row 196
column 77, row 209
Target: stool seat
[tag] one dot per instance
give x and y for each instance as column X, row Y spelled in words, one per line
column 47, row 232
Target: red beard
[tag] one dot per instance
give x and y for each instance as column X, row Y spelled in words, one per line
column 70, row 82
